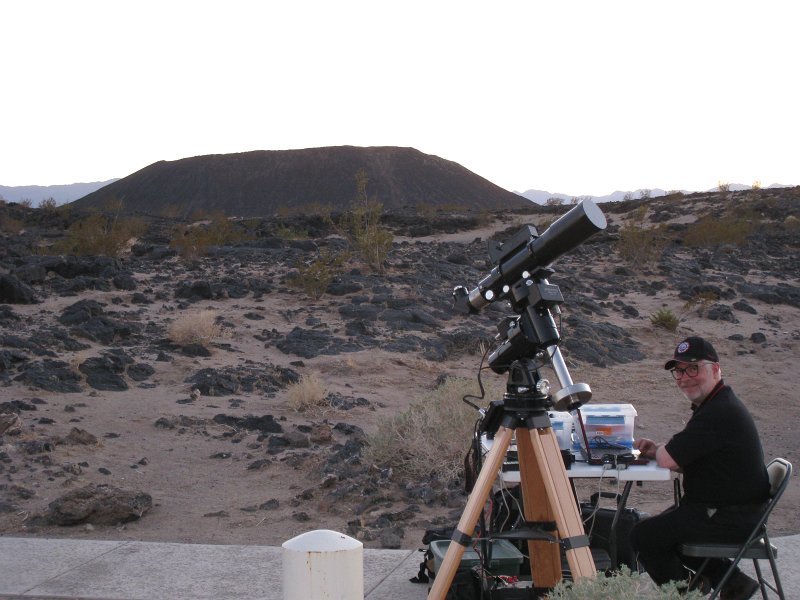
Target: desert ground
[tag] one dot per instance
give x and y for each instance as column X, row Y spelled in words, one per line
column 216, row 481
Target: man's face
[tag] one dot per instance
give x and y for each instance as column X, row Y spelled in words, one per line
column 698, row 387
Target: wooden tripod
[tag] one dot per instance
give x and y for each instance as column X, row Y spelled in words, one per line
column 547, row 497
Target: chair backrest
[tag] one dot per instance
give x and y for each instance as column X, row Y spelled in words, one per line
column 779, row 471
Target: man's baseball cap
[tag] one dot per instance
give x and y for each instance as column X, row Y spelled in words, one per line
column 693, row 349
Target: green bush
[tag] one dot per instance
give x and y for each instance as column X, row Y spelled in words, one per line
column 100, row 235
column 665, row 319
column 623, row 585
column 315, row 277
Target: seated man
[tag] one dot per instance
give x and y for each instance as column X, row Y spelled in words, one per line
column 725, row 481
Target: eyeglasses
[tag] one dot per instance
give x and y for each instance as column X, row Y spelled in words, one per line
column 691, row 371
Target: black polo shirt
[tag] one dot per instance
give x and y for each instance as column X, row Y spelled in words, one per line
column 720, row 453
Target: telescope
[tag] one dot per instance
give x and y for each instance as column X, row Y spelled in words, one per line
column 528, row 340
column 526, row 252
column 522, row 266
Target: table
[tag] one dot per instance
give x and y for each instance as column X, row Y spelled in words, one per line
column 629, row 474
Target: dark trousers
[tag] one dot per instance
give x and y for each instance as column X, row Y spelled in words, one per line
column 657, row 540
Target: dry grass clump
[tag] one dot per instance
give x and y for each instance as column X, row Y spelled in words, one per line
column 195, row 328
column 431, row 437
column 307, row 394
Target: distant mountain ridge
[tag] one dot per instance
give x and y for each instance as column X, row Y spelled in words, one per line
column 262, row 182
column 62, row 193
column 542, row 196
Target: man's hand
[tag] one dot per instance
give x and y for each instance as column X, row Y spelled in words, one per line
column 649, row 449
column 646, row 447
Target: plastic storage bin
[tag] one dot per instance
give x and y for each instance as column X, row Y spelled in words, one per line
column 607, row 425
column 506, row 559
column 561, row 422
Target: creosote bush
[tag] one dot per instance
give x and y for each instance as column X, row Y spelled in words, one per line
column 431, row 437
column 195, row 328
column 315, row 276
column 362, row 226
column 308, row 393
column 716, row 231
column 192, row 241
column 100, row 235
column 638, row 243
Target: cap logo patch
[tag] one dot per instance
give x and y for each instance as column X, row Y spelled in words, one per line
column 683, row 347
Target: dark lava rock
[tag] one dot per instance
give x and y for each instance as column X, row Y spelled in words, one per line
column 308, row 343
column 14, row 291
column 98, row 505
column 105, row 372
column 140, row 371
column 599, row 344
column 264, row 423
column 50, row 375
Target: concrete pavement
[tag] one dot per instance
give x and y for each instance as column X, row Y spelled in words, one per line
column 38, row 569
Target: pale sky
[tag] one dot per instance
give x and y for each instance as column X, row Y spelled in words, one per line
column 581, row 97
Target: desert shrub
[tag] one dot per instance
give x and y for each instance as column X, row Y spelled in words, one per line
column 362, row 226
column 308, row 393
column 639, row 244
column 48, row 204
column 10, row 225
column 715, row 231
column 701, row 302
column 431, row 437
column 665, row 319
column 194, row 240
column 791, row 223
column 622, row 585
column 289, row 233
column 425, row 210
column 100, row 235
column 314, row 277
column 199, row 327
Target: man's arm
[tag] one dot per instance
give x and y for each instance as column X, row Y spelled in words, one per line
column 649, row 449
column 663, row 459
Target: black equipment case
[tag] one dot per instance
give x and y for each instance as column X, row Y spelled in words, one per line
column 597, row 523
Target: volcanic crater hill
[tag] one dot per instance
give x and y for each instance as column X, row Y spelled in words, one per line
column 108, row 422
column 259, row 183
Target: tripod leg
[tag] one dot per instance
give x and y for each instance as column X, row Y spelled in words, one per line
column 562, row 504
column 469, row 518
column 545, row 557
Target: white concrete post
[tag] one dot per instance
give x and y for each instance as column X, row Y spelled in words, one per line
column 323, row 565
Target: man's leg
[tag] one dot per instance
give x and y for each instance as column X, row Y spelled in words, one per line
column 657, row 539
